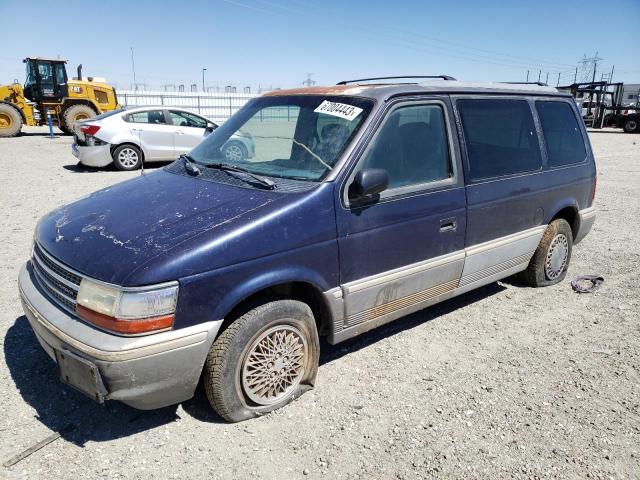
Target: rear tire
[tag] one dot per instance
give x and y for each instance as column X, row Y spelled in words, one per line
column 550, row 261
column 263, row 360
column 74, row 114
column 127, row 157
column 10, row 120
column 631, row 125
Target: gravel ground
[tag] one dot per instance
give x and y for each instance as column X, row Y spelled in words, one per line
column 506, row 381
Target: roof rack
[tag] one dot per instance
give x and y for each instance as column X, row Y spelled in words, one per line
column 540, row 84
column 443, row 77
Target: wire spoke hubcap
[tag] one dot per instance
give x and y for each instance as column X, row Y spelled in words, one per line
column 128, row 157
column 556, row 260
column 274, row 365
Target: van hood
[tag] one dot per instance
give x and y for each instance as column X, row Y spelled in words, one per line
column 115, row 231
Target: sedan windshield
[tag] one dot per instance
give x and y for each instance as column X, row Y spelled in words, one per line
column 297, row 136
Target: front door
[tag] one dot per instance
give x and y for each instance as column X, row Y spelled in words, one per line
column 404, row 250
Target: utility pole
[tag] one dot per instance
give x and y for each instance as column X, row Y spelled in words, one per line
column 547, row 80
column 611, row 74
column 203, row 70
column 595, row 67
column 308, row 82
column 575, row 76
column 133, row 67
column 558, row 82
column 539, row 73
column 527, row 76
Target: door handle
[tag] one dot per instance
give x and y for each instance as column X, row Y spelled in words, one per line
column 179, row 132
column 448, row 224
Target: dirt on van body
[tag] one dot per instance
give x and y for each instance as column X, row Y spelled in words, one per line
column 504, row 382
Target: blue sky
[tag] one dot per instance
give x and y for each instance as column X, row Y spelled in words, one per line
column 276, row 43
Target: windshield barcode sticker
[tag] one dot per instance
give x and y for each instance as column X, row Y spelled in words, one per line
column 341, row 110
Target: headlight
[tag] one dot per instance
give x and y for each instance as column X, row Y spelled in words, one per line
column 126, row 310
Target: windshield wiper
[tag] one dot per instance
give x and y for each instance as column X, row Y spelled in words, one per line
column 190, row 165
column 230, row 168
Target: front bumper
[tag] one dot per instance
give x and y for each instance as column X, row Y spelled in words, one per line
column 144, row 372
column 93, row 156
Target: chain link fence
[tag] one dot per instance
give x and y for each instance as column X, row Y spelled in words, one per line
column 215, row 106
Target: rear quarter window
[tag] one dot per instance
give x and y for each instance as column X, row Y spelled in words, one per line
column 562, row 135
column 500, row 137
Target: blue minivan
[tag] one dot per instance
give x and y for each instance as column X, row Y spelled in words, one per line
column 364, row 202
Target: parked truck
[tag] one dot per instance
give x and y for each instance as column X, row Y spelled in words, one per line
column 47, row 91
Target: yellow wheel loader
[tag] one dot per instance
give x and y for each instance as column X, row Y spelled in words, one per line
column 48, row 91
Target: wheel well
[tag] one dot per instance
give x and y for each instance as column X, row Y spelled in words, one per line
column 70, row 103
column 570, row 214
column 301, row 291
column 22, row 115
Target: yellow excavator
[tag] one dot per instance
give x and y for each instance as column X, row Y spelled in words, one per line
column 48, row 91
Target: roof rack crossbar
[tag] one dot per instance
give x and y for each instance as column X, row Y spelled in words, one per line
column 540, row 84
column 443, row 77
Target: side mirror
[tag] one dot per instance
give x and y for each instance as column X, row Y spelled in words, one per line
column 367, row 183
column 210, row 127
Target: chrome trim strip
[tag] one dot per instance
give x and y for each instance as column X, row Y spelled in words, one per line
column 491, row 244
column 401, row 272
column 495, row 269
column 412, row 300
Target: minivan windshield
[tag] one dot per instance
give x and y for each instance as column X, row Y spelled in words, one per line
column 290, row 136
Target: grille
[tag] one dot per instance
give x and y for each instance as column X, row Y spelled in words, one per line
column 60, row 282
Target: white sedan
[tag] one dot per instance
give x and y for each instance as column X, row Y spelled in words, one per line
column 127, row 137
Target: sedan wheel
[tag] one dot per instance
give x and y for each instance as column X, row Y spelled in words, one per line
column 235, row 152
column 127, row 157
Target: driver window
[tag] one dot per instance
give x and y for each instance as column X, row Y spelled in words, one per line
column 412, row 146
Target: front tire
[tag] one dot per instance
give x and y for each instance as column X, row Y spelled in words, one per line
column 235, row 152
column 10, row 120
column 127, row 157
column 74, row 114
column 631, row 126
column 550, row 261
column 263, row 360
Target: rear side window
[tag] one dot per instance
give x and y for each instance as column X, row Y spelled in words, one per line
column 150, row 116
column 500, row 136
column 565, row 145
column 185, row 119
